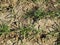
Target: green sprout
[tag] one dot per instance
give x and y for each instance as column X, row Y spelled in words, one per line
column 4, row 29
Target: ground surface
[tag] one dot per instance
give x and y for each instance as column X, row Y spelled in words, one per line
column 29, row 22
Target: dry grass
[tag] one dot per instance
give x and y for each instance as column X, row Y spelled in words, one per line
column 31, row 22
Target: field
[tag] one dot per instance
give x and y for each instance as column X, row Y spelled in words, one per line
column 29, row 22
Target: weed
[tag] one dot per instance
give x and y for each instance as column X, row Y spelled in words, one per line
column 25, row 30
column 39, row 13
column 28, row 31
column 35, row 14
column 4, row 29
column 53, row 14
